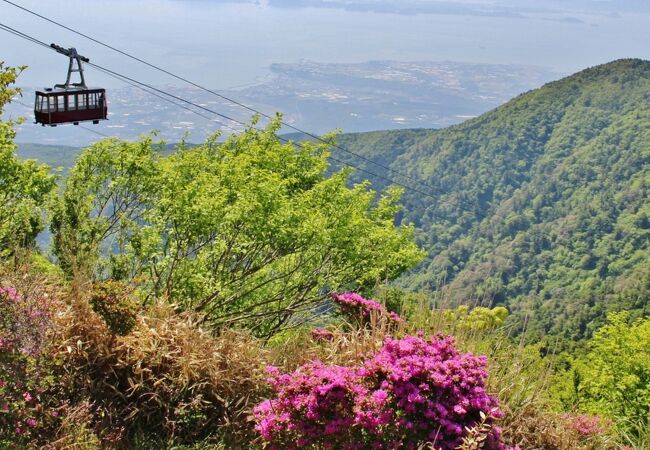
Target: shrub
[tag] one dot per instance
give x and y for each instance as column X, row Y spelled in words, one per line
column 167, row 378
column 26, row 417
column 537, row 428
column 321, row 334
column 112, row 301
column 479, row 318
column 412, row 392
column 587, row 425
column 362, row 311
column 613, row 379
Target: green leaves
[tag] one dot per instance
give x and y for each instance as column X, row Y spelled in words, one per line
column 24, row 185
column 104, row 201
column 614, row 377
column 249, row 232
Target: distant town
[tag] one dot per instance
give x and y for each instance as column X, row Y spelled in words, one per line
column 313, row 96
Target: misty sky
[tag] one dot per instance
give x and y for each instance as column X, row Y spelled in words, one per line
column 229, row 43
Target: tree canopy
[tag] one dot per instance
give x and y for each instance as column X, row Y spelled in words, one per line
column 24, row 185
column 249, row 230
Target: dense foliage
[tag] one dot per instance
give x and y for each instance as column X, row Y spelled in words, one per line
column 24, row 185
column 249, row 231
column 613, row 378
column 541, row 204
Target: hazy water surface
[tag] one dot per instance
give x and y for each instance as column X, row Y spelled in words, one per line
column 226, row 44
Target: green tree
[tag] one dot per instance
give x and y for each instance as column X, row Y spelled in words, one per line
column 613, row 379
column 249, row 231
column 24, row 185
column 105, row 197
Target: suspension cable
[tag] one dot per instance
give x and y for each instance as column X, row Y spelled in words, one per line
column 226, row 117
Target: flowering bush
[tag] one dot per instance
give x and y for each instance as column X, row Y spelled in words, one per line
column 360, row 310
column 25, row 321
column 25, row 326
column 413, row 391
column 588, row 425
column 315, row 404
column 321, row 334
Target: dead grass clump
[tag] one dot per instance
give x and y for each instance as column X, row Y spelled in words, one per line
column 168, row 377
column 533, row 428
column 348, row 344
column 75, row 430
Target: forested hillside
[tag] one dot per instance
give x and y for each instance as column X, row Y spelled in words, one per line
column 541, row 204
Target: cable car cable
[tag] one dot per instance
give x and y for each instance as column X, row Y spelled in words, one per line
column 96, row 132
column 244, row 124
column 23, row 35
column 211, row 119
column 240, row 104
column 405, row 186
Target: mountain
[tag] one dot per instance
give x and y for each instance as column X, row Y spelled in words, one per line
column 542, row 204
column 55, row 156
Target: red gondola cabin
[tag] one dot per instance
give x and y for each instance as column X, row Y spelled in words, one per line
column 70, row 102
column 76, row 104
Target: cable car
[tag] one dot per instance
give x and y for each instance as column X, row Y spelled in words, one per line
column 70, row 102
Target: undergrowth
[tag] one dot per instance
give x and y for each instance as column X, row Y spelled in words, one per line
column 168, row 382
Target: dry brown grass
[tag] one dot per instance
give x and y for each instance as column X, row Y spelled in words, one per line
column 350, row 345
column 75, row 431
column 168, row 377
column 532, row 428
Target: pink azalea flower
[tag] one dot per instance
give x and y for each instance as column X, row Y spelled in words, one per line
column 321, row 334
column 422, row 389
column 359, row 308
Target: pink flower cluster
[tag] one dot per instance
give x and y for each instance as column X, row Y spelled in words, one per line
column 9, row 293
column 26, row 327
column 413, row 391
column 25, row 321
column 358, row 308
column 321, row 334
column 588, row 425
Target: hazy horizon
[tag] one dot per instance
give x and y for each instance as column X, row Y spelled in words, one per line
column 228, row 43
